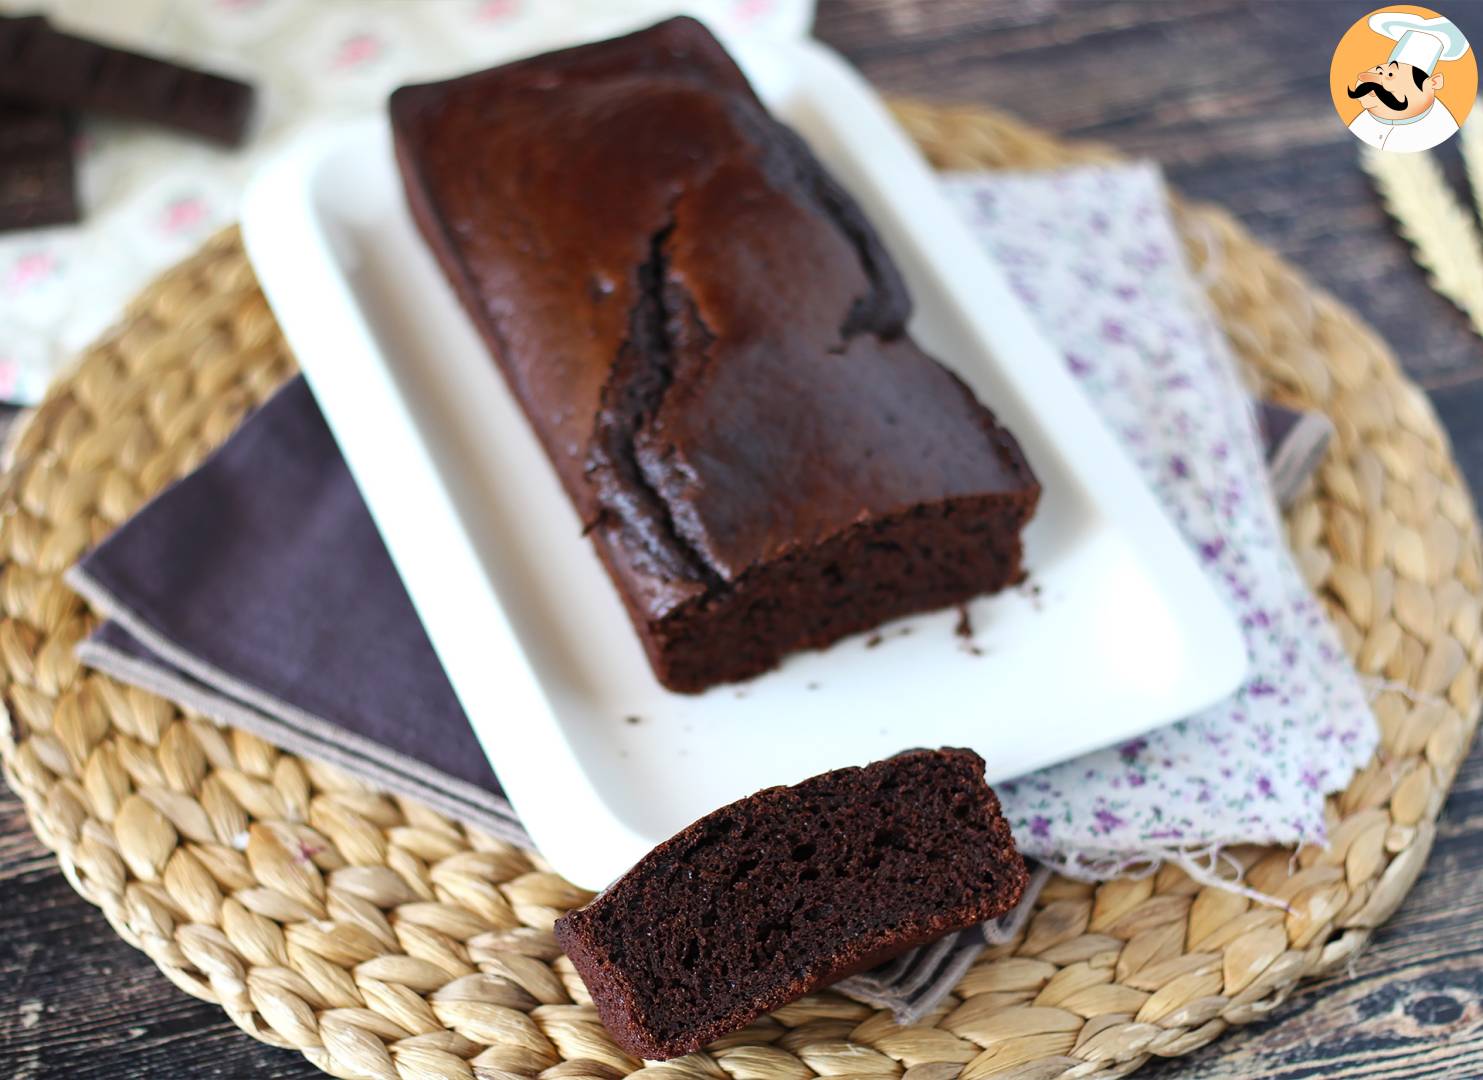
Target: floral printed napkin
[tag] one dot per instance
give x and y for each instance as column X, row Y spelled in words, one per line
column 150, row 198
column 1094, row 254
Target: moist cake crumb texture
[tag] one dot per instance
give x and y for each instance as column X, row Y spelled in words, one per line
column 789, row 889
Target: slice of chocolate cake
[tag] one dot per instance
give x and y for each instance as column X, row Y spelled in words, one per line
column 789, row 889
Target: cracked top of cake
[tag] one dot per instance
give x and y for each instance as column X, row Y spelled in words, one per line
column 724, row 375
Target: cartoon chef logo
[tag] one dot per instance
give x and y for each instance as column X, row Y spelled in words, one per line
column 1403, row 79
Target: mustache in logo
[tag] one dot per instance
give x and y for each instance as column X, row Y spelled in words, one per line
column 1389, row 100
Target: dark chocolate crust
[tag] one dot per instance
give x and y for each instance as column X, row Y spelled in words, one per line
column 709, row 339
column 787, row 890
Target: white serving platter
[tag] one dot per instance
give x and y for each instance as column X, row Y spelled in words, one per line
column 1121, row 631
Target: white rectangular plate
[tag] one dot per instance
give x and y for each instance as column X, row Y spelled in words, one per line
column 1121, row 633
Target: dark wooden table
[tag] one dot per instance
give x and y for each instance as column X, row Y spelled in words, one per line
column 1231, row 96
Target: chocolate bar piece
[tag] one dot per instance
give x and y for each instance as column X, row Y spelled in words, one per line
column 37, row 181
column 45, row 66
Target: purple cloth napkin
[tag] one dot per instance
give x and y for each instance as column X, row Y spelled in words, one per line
column 257, row 591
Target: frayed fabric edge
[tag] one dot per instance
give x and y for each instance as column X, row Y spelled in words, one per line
column 1210, row 864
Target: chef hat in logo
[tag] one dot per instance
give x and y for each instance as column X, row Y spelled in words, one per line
column 1419, row 41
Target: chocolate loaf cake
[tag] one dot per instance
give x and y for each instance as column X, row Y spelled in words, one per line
column 789, row 889
column 709, row 340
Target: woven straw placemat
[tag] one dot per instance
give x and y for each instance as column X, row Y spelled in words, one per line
column 384, row 941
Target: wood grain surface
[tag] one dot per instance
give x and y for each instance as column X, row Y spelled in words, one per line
column 1231, row 97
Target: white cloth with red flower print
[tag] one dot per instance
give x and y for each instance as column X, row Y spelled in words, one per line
column 1094, row 254
column 149, row 198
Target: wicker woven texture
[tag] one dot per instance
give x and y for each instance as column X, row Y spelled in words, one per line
column 383, row 941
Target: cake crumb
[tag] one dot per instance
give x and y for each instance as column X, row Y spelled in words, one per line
column 633, row 719
column 873, row 640
column 903, row 631
column 964, row 629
